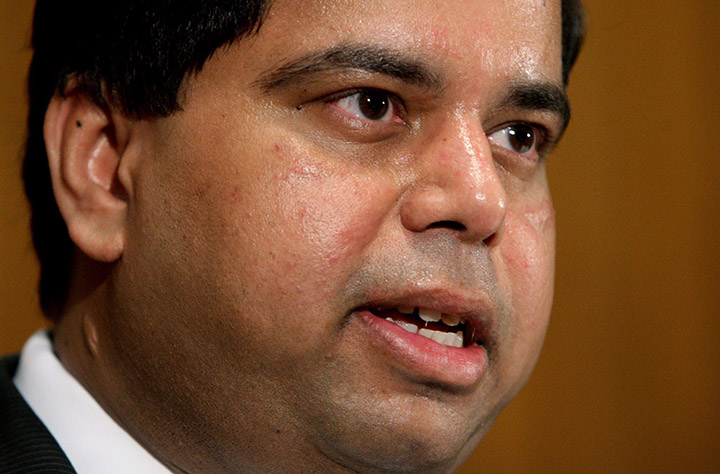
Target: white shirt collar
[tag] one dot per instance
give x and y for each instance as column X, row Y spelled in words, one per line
column 90, row 438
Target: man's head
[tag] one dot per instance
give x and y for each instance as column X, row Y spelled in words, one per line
column 264, row 198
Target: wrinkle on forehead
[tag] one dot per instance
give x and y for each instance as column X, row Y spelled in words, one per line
column 414, row 23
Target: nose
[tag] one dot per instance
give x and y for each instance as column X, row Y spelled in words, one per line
column 457, row 186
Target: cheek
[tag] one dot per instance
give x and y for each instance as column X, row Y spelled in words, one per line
column 327, row 215
column 306, row 221
column 528, row 251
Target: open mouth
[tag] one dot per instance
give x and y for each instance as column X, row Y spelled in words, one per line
column 447, row 329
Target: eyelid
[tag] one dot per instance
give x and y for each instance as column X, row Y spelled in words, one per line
column 397, row 103
column 544, row 142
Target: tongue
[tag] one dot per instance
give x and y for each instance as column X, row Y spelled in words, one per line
column 395, row 315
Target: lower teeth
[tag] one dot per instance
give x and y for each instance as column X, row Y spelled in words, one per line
column 445, row 338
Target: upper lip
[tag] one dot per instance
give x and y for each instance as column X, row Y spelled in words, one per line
column 474, row 307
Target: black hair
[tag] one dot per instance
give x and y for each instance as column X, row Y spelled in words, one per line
column 573, row 35
column 133, row 55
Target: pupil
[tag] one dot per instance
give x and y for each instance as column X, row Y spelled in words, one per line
column 373, row 104
column 522, row 138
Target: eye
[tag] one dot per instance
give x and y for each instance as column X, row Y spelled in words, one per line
column 519, row 138
column 368, row 104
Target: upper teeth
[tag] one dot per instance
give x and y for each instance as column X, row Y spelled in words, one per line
column 433, row 316
column 451, row 319
column 429, row 316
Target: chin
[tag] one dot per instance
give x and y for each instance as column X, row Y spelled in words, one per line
column 407, row 455
column 432, row 439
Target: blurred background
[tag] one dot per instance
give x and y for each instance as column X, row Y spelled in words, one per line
column 629, row 380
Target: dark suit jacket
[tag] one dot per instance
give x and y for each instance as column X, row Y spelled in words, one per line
column 26, row 446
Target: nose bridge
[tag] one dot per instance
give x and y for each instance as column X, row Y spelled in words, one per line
column 465, row 150
column 457, row 185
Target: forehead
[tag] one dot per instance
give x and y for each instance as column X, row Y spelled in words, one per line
column 513, row 38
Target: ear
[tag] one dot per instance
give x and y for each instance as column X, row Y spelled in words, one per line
column 85, row 145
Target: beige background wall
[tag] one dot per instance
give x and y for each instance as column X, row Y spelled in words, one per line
column 18, row 269
column 629, row 381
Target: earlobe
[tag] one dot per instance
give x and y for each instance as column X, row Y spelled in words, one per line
column 85, row 145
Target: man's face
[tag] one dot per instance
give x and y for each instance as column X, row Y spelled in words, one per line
column 352, row 162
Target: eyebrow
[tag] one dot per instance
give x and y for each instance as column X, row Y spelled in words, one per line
column 363, row 57
column 540, row 96
column 524, row 94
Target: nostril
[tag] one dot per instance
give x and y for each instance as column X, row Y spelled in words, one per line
column 453, row 225
column 491, row 241
column 494, row 239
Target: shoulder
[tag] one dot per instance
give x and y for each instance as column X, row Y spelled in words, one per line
column 26, row 446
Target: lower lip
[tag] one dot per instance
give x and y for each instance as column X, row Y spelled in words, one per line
column 426, row 359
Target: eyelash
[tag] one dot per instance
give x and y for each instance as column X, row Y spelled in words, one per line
column 543, row 139
column 394, row 104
